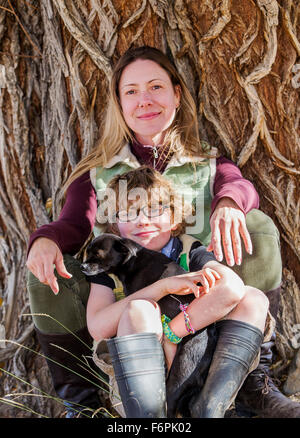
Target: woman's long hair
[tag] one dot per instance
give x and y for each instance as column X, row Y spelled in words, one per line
column 182, row 136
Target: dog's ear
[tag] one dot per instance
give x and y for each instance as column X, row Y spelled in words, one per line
column 128, row 247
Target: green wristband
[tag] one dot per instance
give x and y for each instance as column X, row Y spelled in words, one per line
column 168, row 332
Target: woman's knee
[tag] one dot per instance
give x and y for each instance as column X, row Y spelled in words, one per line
column 266, row 252
column 51, row 312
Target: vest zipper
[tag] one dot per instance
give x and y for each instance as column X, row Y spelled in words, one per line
column 155, row 155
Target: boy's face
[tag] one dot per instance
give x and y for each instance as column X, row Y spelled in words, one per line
column 151, row 227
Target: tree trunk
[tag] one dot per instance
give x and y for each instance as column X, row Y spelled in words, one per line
column 239, row 59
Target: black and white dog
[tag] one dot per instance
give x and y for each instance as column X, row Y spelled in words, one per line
column 138, row 267
column 135, row 266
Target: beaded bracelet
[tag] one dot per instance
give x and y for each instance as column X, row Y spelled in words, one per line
column 168, row 332
column 187, row 321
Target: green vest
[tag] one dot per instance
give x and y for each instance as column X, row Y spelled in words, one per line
column 191, row 178
column 184, row 257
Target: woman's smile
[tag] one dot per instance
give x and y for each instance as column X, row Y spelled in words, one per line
column 149, row 116
column 148, row 100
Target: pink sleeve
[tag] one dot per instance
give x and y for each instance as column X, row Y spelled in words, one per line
column 230, row 183
column 76, row 219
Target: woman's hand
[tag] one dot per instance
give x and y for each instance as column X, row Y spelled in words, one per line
column 186, row 284
column 43, row 254
column 228, row 223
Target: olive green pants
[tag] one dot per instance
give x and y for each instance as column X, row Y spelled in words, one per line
column 262, row 270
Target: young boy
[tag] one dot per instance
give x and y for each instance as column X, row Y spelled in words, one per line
column 150, row 221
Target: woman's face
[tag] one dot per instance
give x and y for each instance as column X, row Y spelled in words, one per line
column 148, row 100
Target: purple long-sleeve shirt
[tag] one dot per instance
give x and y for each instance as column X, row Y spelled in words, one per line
column 78, row 214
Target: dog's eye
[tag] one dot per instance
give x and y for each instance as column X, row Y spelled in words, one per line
column 101, row 253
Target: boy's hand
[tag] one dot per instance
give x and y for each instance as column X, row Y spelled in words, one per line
column 186, row 284
column 208, row 280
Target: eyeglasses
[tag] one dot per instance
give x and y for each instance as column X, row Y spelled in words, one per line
column 149, row 211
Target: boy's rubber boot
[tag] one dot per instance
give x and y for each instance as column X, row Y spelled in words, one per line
column 237, row 347
column 139, row 366
column 71, row 378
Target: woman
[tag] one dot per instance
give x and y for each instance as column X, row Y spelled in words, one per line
column 151, row 119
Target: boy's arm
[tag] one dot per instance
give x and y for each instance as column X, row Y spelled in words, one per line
column 224, row 293
column 99, row 299
column 104, row 313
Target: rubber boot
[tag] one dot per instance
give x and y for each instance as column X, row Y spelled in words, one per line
column 237, row 347
column 139, row 366
column 77, row 392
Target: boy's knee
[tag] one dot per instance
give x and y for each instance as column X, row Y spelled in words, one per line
column 141, row 308
column 140, row 316
column 257, row 299
column 231, row 293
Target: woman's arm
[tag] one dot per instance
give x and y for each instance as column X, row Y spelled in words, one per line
column 66, row 235
column 76, row 220
column 230, row 183
column 234, row 198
